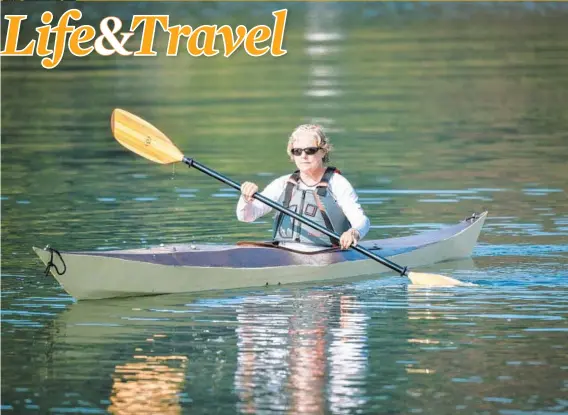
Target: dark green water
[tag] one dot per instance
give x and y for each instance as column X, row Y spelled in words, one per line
column 435, row 111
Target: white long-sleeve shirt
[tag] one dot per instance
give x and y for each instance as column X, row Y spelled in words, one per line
column 339, row 187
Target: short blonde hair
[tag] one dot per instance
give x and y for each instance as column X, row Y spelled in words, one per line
column 317, row 132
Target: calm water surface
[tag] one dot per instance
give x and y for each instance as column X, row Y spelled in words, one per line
column 435, row 111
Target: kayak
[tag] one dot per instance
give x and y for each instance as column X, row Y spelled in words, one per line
column 89, row 275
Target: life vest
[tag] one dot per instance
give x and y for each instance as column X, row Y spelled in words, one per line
column 318, row 205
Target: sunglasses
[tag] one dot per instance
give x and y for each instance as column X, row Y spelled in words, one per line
column 310, row 151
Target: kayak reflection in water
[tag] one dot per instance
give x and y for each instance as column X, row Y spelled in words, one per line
column 316, row 191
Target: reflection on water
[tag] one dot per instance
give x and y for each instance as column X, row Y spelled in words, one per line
column 435, row 110
column 301, row 355
column 261, row 355
column 322, row 36
column 149, row 385
column 364, row 347
column 348, row 353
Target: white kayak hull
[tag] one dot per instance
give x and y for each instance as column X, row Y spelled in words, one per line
column 188, row 268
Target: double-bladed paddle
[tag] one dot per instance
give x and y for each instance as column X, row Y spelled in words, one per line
column 147, row 141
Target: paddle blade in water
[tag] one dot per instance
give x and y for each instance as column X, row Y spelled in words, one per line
column 422, row 278
column 143, row 138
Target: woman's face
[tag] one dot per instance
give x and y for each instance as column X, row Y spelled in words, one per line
column 308, row 163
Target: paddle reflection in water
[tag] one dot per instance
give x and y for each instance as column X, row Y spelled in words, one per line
column 147, row 376
column 149, row 385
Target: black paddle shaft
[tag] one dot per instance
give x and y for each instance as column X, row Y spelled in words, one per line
column 192, row 163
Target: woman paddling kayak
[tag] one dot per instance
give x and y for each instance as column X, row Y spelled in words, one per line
column 315, row 190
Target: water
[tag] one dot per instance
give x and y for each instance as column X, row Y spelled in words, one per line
column 435, row 111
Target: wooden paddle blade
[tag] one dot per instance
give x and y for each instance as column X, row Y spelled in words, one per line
column 422, row 278
column 143, row 138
